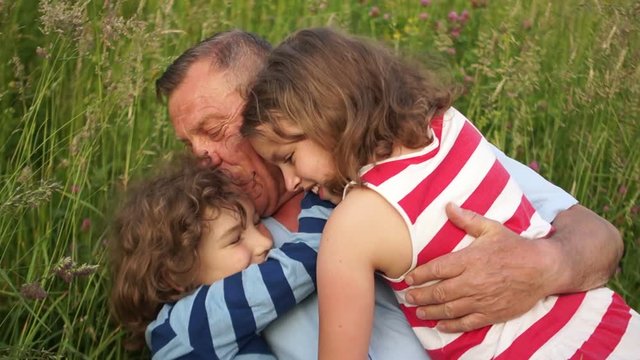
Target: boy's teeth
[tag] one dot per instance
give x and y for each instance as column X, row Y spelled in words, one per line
column 315, row 189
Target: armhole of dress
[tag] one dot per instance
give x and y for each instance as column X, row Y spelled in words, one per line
column 348, row 187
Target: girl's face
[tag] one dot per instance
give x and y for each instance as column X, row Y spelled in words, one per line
column 305, row 165
column 227, row 247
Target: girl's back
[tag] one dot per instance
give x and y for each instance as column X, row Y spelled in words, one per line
column 460, row 167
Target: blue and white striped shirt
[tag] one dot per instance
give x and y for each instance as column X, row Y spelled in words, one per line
column 223, row 320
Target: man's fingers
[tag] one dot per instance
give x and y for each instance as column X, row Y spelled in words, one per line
column 467, row 323
column 440, row 268
column 446, row 311
column 467, row 220
column 438, row 293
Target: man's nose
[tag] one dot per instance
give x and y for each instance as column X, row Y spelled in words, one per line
column 203, row 150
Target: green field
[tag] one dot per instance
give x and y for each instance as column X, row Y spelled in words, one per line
column 556, row 84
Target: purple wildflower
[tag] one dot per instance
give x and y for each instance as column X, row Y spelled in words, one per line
column 479, row 3
column 464, row 16
column 86, row 225
column 622, row 190
column 534, row 166
column 453, row 16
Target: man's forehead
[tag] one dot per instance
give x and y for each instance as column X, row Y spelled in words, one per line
column 193, row 110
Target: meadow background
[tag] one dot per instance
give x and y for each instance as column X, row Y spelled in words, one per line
column 556, row 84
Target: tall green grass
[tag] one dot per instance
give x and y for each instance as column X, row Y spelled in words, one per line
column 555, row 84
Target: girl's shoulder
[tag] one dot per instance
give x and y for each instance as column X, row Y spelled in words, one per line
column 365, row 211
column 368, row 224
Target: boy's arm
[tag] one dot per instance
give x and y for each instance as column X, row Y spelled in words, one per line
column 226, row 316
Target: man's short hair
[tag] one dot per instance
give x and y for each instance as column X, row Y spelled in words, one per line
column 239, row 53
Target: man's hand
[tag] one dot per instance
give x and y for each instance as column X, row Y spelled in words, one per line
column 498, row 277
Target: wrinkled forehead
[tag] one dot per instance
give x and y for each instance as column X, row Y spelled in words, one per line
column 204, row 90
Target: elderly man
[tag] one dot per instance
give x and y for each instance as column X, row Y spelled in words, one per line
column 206, row 89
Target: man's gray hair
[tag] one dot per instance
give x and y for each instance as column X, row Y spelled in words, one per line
column 238, row 53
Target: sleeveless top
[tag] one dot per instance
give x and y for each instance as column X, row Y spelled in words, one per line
column 460, row 167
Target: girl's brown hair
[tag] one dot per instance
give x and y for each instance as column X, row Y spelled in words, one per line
column 348, row 94
column 154, row 240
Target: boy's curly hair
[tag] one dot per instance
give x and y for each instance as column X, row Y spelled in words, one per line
column 154, row 240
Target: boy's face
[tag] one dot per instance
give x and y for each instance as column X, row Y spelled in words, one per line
column 304, row 164
column 228, row 247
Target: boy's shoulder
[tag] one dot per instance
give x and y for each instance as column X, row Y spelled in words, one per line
column 313, row 214
column 310, row 200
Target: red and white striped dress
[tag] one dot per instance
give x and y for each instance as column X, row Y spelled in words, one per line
column 460, row 167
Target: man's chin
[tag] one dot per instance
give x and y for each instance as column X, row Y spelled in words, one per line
column 266, row 206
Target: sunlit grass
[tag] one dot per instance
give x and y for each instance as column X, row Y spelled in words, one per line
column 552, row 83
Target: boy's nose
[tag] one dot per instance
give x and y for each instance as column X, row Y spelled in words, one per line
column 265, row 241
column 265, row 232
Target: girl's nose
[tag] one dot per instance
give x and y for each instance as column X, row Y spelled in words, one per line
column 291, row 181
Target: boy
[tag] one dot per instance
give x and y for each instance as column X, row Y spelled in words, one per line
column 193, row 268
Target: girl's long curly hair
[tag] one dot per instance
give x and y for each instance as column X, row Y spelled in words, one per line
column 351, row 95
column 154, row 239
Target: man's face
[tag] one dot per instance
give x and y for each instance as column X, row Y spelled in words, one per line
column 206, row 113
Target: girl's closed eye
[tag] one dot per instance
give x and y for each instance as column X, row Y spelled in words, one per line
column 234, row 241
column 289, row 159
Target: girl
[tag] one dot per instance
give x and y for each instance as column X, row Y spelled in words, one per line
column 194, row 270
column 343, row 117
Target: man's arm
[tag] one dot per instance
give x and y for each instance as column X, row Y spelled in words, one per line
column 583, row 235
column 502, row 274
